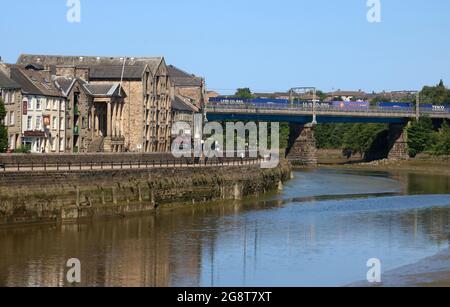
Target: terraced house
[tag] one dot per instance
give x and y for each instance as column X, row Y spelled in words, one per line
column 42, row 109
column 11, row 95
column 145, row 114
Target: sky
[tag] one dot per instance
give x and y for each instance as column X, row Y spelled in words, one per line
column 265, row 45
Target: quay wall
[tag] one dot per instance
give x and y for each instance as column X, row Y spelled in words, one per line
column 59, row 197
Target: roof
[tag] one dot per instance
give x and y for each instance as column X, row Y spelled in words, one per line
column 89, row 61
column 181, row 78
column 104, row 90
column 115, row 72
column 6, row 82
column 34, row 82
column 348, row 93
column 180, row 104
column 65, row 84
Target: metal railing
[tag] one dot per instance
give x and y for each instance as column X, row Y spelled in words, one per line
column 123, row 165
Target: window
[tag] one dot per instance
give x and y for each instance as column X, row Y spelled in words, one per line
column 29, row 123
column 29, row 104
column 38, row 104
column 11, row 141
column 61, row 123
column 4, row 121
column 38, row 122
column 61, row 144
column 61, row 105
column 13, row 97
column 54, row 123
column 49, row 104
column 53, row 143
column 55, row 105
column 11, row 118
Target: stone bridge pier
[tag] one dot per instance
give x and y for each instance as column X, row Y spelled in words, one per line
column 302, row 149
column 390, row 144
column 398, row 142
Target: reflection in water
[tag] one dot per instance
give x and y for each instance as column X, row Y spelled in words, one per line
column 320, row 231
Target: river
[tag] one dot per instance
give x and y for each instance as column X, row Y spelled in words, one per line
column 320, row 231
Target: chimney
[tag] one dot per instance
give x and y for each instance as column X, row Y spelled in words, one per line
column 83, row 73
column 47, row 72
column 5, row 69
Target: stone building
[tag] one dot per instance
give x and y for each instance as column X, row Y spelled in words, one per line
column 94, row 116
column 42, row 109
column 146, row 112
column 187, row 86
column 183, row 111
column 11, row 95
column 188, row 99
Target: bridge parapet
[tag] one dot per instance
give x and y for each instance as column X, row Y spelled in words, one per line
column 255, row 110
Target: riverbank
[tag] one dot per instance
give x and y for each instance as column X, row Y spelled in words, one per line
column 63, row 196
column 424, row 164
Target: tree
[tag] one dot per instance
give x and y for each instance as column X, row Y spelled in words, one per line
column 442, row 146
column 321, row 95
column 359, row 138
column 3, row 130
column 244, row 93
column 436, row 95
column 419, row 136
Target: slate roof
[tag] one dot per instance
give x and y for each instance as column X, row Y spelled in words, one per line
column 181, row 78
column 6, row 82
column 34, row 82
column 181, row 104
column 89, row 61
column 115, row 72
column 64, row 84
column 108, row 90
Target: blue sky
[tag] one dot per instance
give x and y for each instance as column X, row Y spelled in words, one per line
column 265, row 45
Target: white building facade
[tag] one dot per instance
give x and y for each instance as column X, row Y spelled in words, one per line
column 43, row 129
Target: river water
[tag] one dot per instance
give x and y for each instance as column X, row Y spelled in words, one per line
column 320, row 231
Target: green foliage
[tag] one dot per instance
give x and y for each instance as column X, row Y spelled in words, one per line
column 244, row 93
column 321, row 95
column 377, row 99
column 360, row 137
column 3, row 129
column 442, row 141
column 284, row 135
column 351, row 138
column 419, row 136
column 331, row 135
column 23, row 150
column 437, row 95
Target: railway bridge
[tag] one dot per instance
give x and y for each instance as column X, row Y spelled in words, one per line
column 303, row 117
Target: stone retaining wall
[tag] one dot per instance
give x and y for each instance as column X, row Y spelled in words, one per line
column 71, row 196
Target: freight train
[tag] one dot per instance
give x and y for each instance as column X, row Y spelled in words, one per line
column 334, row 105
